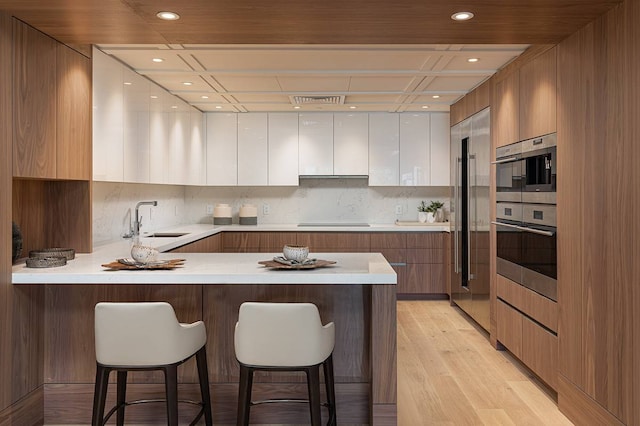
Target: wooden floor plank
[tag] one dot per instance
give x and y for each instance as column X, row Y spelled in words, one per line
column 448, row 374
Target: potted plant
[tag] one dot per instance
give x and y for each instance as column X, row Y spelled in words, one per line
column 436, row 208
column 427, row 213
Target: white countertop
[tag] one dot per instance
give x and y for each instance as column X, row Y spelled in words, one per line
column 213, row 268
column 224, row 268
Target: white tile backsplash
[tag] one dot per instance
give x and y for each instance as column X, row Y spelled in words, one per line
column 315, row 200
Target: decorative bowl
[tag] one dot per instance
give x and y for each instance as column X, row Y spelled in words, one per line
column 295, row 252
column 144, row 254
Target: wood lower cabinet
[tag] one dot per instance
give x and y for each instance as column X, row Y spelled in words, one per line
column 533, row 344
column 256, row 242
column 212, row 244
column 338, row 242
column 425, row 264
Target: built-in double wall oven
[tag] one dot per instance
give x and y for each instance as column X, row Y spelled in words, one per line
column 526, row 214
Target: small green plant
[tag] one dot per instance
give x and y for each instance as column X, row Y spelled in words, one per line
column 434, row 206
column 431, row 208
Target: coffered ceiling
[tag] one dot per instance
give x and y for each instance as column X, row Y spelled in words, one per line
column 253, row 55
column 253, row 78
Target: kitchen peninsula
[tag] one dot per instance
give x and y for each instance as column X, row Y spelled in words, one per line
column 358, row 293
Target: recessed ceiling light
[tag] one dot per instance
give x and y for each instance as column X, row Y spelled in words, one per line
column 168, row 16
column 154, row 97
column 425, row 106
column 174, row 106
column 204, row 97
column 187, row 83
column 127, row 83
column 353, row 107
column 462, row 16
column 473, row 60
column 435, row 96
column 218, row 106
column 158, row 60
column 296, row 107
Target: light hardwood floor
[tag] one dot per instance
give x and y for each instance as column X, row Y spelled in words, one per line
column 448, row 374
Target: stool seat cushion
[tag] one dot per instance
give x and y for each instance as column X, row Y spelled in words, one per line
column 282, row 335
column 144, row 334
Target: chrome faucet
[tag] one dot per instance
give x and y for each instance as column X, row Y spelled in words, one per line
column 138, row 222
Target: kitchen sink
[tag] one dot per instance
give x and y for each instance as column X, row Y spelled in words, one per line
column 166, row 235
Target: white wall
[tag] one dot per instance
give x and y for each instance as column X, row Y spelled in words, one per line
column 315, row 200
column 114, row 208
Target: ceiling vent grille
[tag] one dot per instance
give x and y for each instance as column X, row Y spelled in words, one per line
column 322, row 100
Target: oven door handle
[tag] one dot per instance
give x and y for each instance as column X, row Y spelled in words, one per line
column 525, row 228
column 505, row 160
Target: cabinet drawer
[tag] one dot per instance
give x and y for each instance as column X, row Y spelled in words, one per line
column 212, row 244
column 273, row 242
column 392, row 255
column 509, row 328
column 425, row 256
column 433, row 240
column 238, row 242
column 383, row 240
column 335, row 241
column 424, row 279
column 538, row 307
column 540, row 351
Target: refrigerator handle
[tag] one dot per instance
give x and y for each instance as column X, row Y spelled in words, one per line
column 456, row 187
column 472, row 207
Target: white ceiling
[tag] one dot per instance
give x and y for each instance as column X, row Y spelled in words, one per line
column 253, row 78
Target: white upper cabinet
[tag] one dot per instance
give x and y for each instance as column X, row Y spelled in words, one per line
column 440, row 144
column 351, row 144
column 414, row 149
column 315, row 144
column 159, row 110
column 384, row 149
column 136, row 127
column 196, row 174
column 222, row 149
column 179, row 137
column 108, row 93
column 252, row 149
column 283, row 149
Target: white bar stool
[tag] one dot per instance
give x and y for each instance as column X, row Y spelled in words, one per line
column 146, row 336
column 285, row 337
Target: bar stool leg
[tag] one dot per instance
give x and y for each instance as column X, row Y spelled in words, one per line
column 203, row 377
column 121, row 397
column 171, row 388
column 313, row 384
column 244, row 395
column 100, row 395
column 330, row 386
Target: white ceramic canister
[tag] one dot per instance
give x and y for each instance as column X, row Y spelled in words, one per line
column 248, row 214
column 222, row 214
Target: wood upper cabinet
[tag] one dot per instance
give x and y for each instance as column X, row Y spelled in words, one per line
column 34, row 103
column 52, row 108
column 73, row 122
column 538, row 95
column 505, row 109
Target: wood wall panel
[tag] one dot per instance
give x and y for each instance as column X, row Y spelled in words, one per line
column 73, row 115
column 348, row 306
column 71, row 403
column 6, row 135
column 53, row 214
column 384, row 344
column 27, row 411
column 69, row 327
column 598, row 93
column 34, row 103
column 473, row 102
column 537, row 81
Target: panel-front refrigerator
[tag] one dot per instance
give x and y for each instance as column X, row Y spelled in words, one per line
column 470, row 216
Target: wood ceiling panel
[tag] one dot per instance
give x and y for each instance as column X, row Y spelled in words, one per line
column 294, row 21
